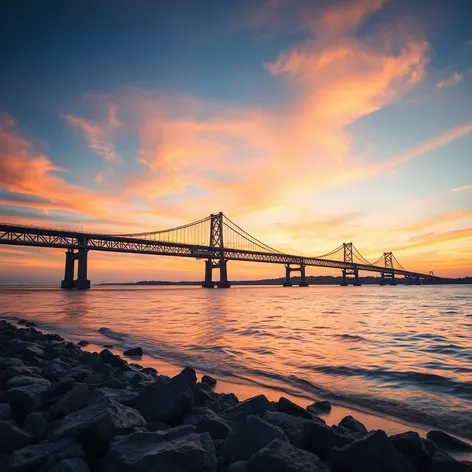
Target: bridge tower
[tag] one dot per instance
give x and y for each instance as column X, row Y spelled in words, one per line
column 81, row 283
column 216, row 241
column 389, row 273
column 289, row 269
column 349, row 273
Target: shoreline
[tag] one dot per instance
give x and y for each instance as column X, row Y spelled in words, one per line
column 63, row 407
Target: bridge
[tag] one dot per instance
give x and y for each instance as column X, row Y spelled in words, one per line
column 214, row 238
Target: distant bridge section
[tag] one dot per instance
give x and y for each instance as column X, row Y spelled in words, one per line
column 216, row 239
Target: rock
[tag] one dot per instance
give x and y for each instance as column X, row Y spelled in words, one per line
column 62, row 387
column 94, row 426
column 178, row 449
column 104, row 394
column 286, row 406
column 12, row 438
column 227, row 400
column 257, row 405
column 413, row 447
column 17, row 369
column 36, row 426
column 108, row 346
column 319, row 407
column 5, row 411
column 443, row 462
column 73, row 400
column 243, row 442
column 23, row 400
column 134, row 352
column 279, row 456
column 239, row 466
column 448, row 442
column 149, row 370
column 22, row 321
column 22, row 380
column 319, row 438
column 30, row 324
column 292, row 426
column 22, row 349
column 156, row 426
column 106, row 357
column 71, row 465
column 33, row 458
column 83, row 343
column 167, row 401
column 55, row 369
column 79, row 374
column 209, row 381
column 206, row 420
column 352, row 424
column 372, row 453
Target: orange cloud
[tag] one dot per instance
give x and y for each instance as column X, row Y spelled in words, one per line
column 437, row 238
column 454, row 79
column 436, row 221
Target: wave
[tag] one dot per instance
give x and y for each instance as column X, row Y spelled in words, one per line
column 350, row 337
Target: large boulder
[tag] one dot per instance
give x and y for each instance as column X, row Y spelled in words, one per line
column 206, row 379
column 287, row 406
column 243, row 442
column 105, row 394
column 279, row 456
column 134, row 352
column 443, row 462
column 5, row 411
column 206, row 420
column 94, row 426
column 319, row 438
column 55, row 369
column 73, row 400
column 27, row 398
column 36, row 425
column 12, row 438
column 417, row 450
column 319, row 407
column 18, row 368
column 448, row 442
column 107, row 357
column 45, row 454
column 168, row 401
column 178, row 449
column 351, row 424
column 75, row 464
column 257, row 406
column 373, row 453
column 22, row 380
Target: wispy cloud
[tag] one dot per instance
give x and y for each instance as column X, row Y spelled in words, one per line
column 450, row 81
column 461, row 188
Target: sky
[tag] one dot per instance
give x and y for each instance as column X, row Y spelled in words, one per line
column 308, row 123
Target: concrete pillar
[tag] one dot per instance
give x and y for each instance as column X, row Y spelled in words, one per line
column 356, row 278
column 82, row 283
column 208, row 283
column 288, row 282
column 344, row 282
column 303, row 282
column 68, row 281
column 223, row 283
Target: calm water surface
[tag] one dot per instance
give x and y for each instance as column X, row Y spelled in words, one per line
column 401, row 351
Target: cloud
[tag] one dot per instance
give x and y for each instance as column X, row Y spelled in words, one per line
column 97, row 135
column 436, row 221
column 461, row 188
column 436, row 238
column 450, row 81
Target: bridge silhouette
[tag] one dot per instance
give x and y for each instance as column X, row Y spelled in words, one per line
column 216, row 239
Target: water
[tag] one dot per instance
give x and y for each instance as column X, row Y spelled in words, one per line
column 399, row 351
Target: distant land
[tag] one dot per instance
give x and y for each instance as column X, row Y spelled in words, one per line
column 312, row 280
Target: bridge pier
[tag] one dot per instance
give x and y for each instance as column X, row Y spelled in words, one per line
column 289, row 270
column 81, row 283
column 355, row 278
column 221, row 264
column 387, row 276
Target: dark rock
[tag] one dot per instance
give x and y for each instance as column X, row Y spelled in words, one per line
column 209, row 381
column 22, row 321
column 5, row 411
column 83, row 343
column 319, row 407
column 19, row 368
column 22, row 349
column 156, row 426
column 106, row 357
column 443, row 462
column 352, row 424
column 321, row 438
column 206, row 420
column 33, row 458
column 149, row 370
column 23, row 400
column 94, row 426
column 372, row 453
column 73, row 400
column 178, row 449
column 12, row 438
column 413, row 447
column 79, row 373
column 104, row 394
column 227, row 400
column 257, row 406
column 36, row 426
column 239, row 466
column 242, row 443
column 55, row 369
column 286, row 406
column 71, row 465
column 62, row 387
column 448, row 442
column 167, row 401
column 30, row 324
column 292, row 426
column 279, row 456
column 134, row 352
column 22, row 380
column 108, row 346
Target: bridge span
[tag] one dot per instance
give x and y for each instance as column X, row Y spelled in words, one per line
column 216, row 239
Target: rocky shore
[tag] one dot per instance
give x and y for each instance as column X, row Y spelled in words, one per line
column 63, row 409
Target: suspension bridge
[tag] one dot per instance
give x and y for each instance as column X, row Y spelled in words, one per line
column 216, row 239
